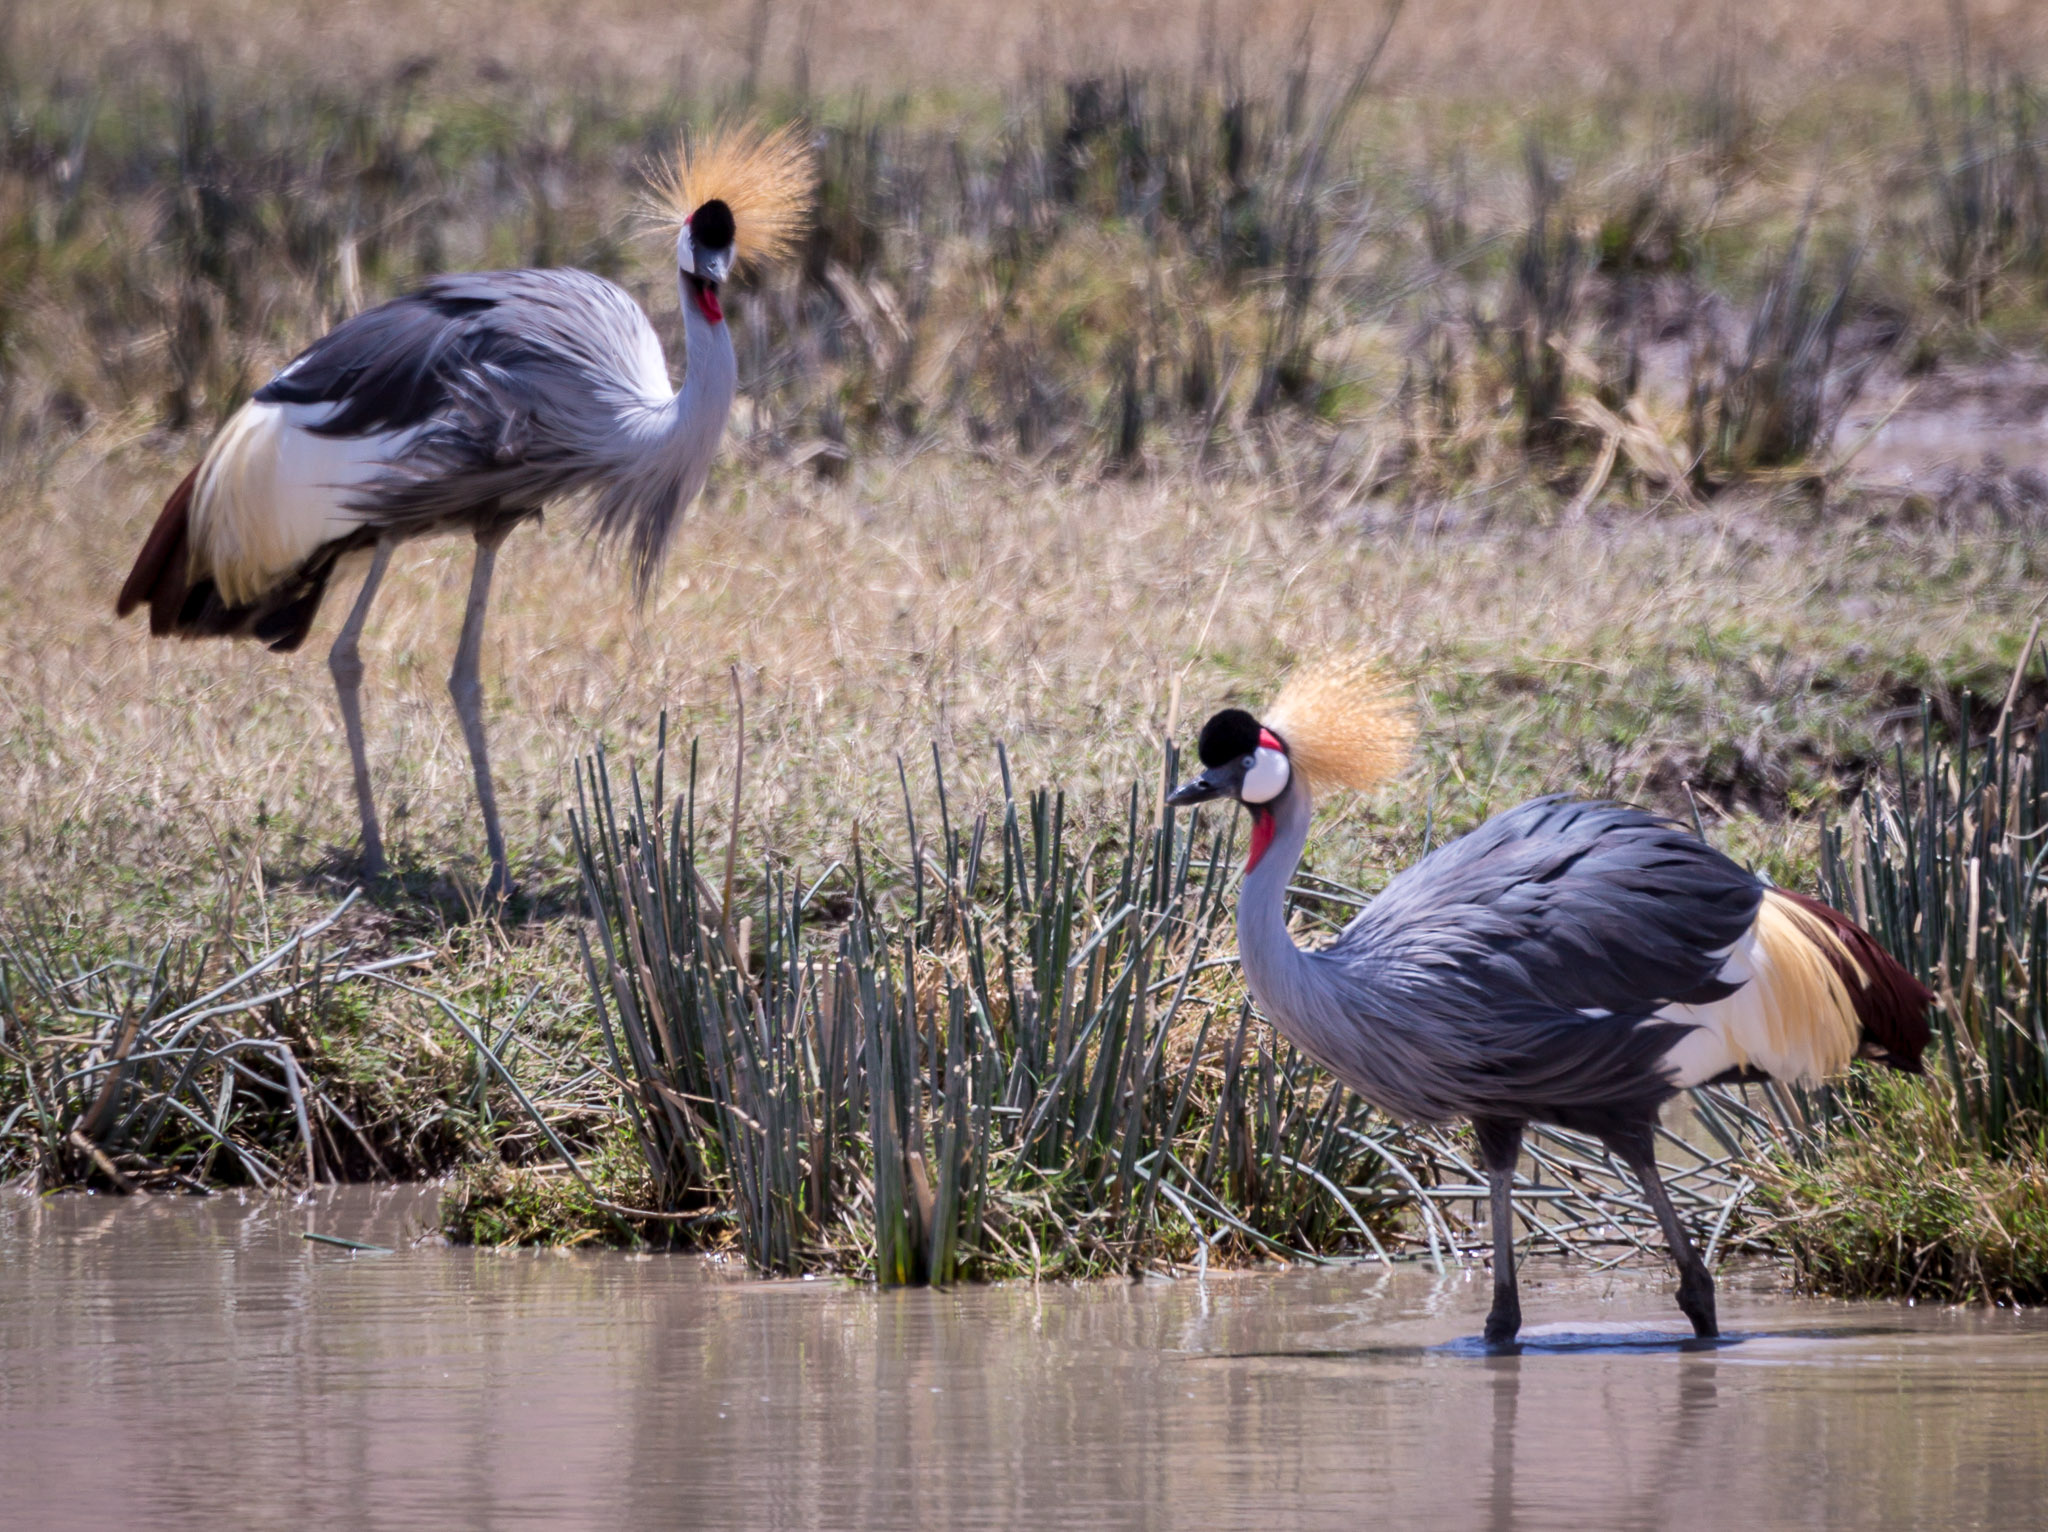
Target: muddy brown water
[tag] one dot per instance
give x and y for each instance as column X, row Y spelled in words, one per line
column 1990, row 418
column 199, row 1364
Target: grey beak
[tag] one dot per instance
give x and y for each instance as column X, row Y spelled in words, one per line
column 1201, row 790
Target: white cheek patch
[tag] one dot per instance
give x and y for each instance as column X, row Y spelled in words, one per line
column 1267, row 778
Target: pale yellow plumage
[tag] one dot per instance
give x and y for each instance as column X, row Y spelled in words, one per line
column 1807, row 1005
column 1792, row 1015
column 1344, row 721
column 765, row 175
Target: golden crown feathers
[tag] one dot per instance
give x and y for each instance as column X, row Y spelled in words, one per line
column 1345, row 721
column 764, row 175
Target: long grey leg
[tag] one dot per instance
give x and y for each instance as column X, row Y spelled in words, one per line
column 1695, row 1282
column 468, row 693
column 1500, row 1145
column 345, row 661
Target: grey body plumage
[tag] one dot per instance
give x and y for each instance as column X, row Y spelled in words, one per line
column 1518, row 970
column 1511, row 976
column 517, row 389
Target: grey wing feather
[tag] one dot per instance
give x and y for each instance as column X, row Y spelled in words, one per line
column 1585, row 906
column 1516, row 970
column 513, row 385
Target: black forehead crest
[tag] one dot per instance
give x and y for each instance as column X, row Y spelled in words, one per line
column 711, row 226
column 1230, row 736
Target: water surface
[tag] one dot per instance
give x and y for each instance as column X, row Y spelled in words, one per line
column 185, row 1363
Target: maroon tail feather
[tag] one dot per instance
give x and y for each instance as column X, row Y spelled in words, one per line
column 178, row 604
column 1890, row 1003
column 160, row 573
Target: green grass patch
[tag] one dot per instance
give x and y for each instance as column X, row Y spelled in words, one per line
column 493, row 1204
column 1902, row 1202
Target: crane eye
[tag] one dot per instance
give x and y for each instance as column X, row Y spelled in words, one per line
column 1265, row 778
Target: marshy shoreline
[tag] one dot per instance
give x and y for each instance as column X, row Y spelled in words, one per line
column 1674, row 447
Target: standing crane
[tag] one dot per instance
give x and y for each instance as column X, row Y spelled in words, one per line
column 468, row 407
column 1566, row 962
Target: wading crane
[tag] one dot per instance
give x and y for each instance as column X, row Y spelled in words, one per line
column 1566, row 962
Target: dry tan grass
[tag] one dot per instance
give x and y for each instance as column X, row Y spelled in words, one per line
column 1530, row 46
column 941, row 599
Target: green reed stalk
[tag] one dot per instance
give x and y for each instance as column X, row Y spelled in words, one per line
column 1944, row 861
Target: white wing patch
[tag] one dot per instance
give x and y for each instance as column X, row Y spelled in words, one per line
column 650, row 366
column 270, row 492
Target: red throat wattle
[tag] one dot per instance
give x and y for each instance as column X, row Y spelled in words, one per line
column 1263, row 826
column 707, row 301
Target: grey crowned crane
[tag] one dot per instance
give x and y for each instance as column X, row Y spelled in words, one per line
column 467, row 407
column 1566, row 962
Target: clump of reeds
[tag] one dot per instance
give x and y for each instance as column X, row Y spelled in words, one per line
column 1012, row 1055
column 1545, row 290
column 1017, row 1059
column 1939, row 1187
column 1779, row 400
column 1985, row 156
column 1942, row 863
column 189, row 1069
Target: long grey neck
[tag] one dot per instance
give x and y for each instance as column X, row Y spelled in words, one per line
column 1276, row 969
column 665, row 449
column 1332, row 1006
column 711, row 379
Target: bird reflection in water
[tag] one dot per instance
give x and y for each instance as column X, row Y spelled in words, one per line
column 1695, row 1397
